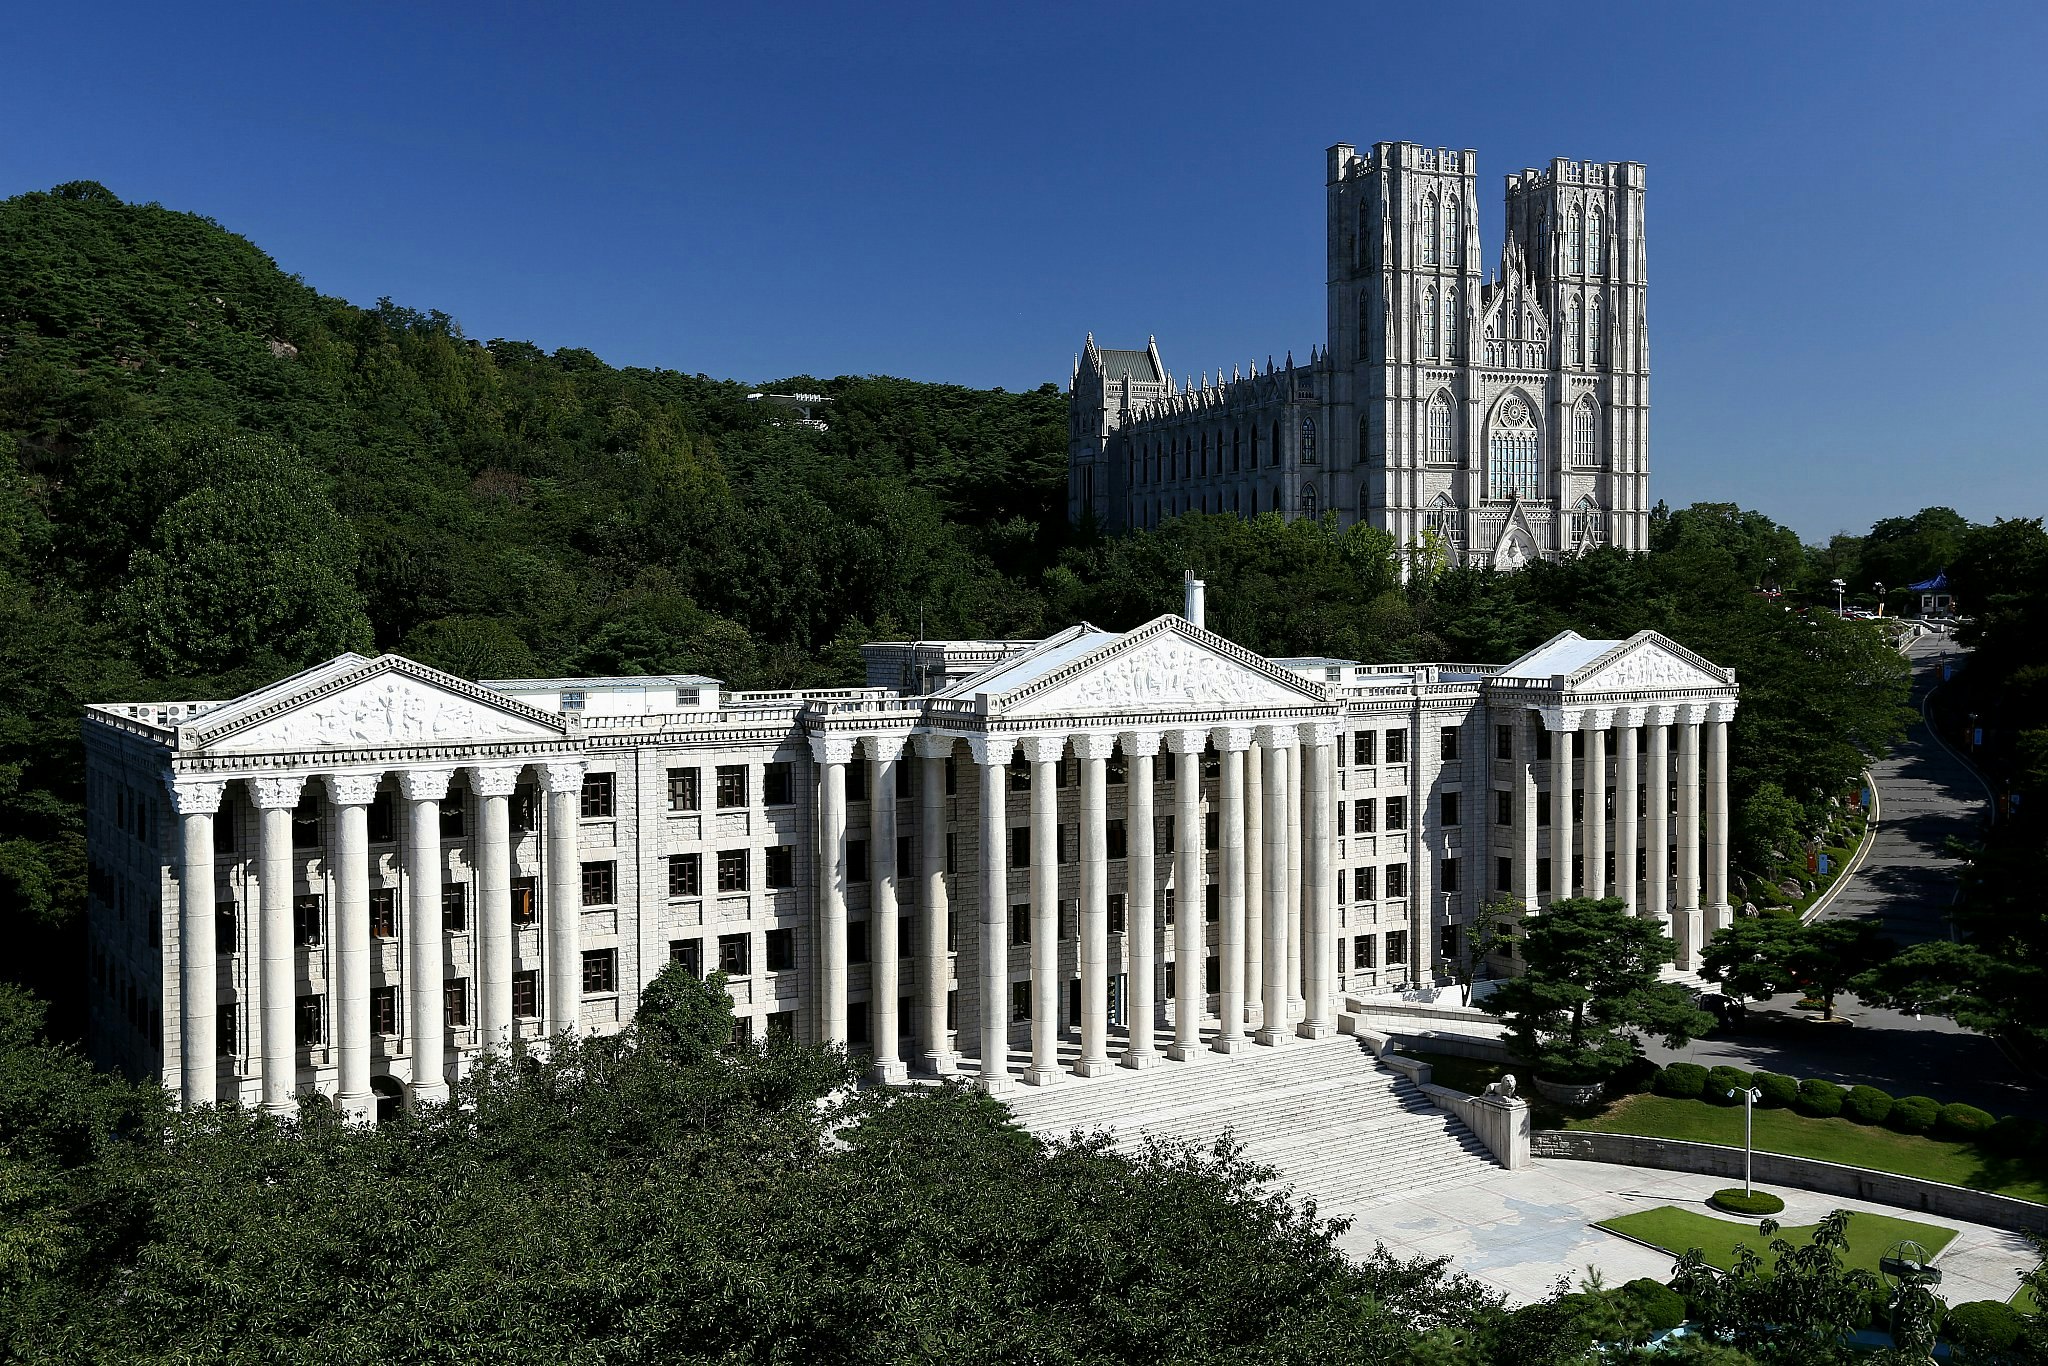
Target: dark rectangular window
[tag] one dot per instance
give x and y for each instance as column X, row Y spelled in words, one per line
column 1363, row 952
column 1020, row 846
column 1361, row 747
column 1116, row 770
column 952, row 931
column 597, row 796
column 382, row 819
column 1361, row 884
column 1116, row 912
column 224, row 1033
column 600, row 884
column 526, row 994
column 952, row 777
column 1166, row 766
column 1212, row 902
column 306, row 828
column 1020, row 775
column 1166, row 903
column 857, row 941
column 903, row 867
column 1397, row 947
column 1447, row 744
column 1212, row 829
column 780, row 870
column 682, row 789
column 777, row 786
column 1397, row 746
column 1397, row 879
column 689, row 953
column 1020, row 1000
column 1447, row 875
column 1542, row 743
column 1020, row 924
column 454, row 816
column 1503, row 874
column 224, row 928
column 781, row 1025
column 953, row 1009
column 224, row 826
column 525, row 811
column 383, row 1010
column 732, row 870
column 1542, row 875
column 1212, row 975
column 781, row 946
column 1503, row 808
column 600, row 971
column 1363, row 815
column 525, row 902
column 856, row 860
column 455, row 1003
column 952, row 853
column 857, row 1022
column 306, row 918
column 310, row 1021
column 384, row 913
column 1450, row 941
column 1579, row 804
column 732, row 786
column 1397, row 813
column 1503, row 742
column 685, row 874
column 857, row 780
column 455, row 907
column 1542, row 809
column 732, row 954
column 1447, row 808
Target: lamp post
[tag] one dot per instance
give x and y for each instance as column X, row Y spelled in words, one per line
column 1749, row 1100
column 1840, row 587
column 1880, row 598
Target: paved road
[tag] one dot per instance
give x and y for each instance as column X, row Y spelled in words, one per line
column 1907, row 885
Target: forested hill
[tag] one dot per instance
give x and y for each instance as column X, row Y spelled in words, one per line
column 221, row 476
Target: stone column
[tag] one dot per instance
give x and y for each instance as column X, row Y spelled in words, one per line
column 562, row 779
column 1043, row 752
column 1190, row 900
column 1254, row 889
column 1275, row 744
column 1716, row 871
column 1319, row 739
column 1141, row 897
column 1596, row 803
column 832, row 753
column 1527, row 796
column 1657, row 820
column 196, row 801
column 1231, row 743
column 1561, row 725
column 992, row 759
column 425, row 954
column 1627, row 795
column 351, row 795
column 1686, row 915
column 1092, row 751
column 933, row 965
column 492, row 936
column 275, row 799
column 886, row 752
column 1294, row 791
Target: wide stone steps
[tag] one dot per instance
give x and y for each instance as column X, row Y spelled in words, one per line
column 1336, row 1125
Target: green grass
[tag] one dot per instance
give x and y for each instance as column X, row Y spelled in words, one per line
column 1678, row 1230
column 1470, row 1075
column 1830, row 1140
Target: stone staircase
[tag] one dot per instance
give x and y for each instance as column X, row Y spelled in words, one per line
column 1334, row 1123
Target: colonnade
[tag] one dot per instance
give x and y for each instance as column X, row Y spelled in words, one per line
column 1263, row 865
column 269, row 993
column 1691, row 898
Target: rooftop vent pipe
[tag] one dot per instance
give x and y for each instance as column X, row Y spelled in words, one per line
column 1193, row 588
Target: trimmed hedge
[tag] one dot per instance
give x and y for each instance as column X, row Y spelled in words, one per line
column 1983, row 1326
column 1964, row 1121
column 1661, row 1305
column 1681, row 1081
column 1866, row 1105
column 2013, row 1136
column 1752, row 1202
column 1722, row 1080
column 1819, row 1099
column 1914, row 1114
column 1778, row 1089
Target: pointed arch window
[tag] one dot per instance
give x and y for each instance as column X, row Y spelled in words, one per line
column 1364, row 438
column 1308, row 501
column 1273, row 450
column 1255, row 450
column 1596, row 241
column 1585, row 433
column 1438, row 429
column 1577, row 332
column 1452, row 347
column 1442, row 519
column 1514, row 463
column 1596, row 334
column 1364, row 320
column 1236, row 449
column 1308, row 442
column 1429, row 230
column 1429, row 323
column 1454, row 240
column 1586, row 528
column 1575, row 242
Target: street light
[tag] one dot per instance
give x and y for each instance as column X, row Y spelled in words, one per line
column 1840, row 588
column 1749, row 1100
column 1880, row 598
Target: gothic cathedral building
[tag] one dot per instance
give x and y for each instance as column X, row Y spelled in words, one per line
column 1489, row 420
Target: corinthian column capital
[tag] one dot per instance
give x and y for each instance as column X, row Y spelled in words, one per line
column 277, row 794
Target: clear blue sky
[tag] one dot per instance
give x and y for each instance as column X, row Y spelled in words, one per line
column 1846, row 201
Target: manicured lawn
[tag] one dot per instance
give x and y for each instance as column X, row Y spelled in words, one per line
column 1677, row 1230
column 1831, row 1140
column 1470, row 1075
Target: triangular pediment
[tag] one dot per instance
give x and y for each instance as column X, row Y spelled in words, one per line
column 1517, row 543
column 1648, row 661
column 355, row 703
column 1167, row 665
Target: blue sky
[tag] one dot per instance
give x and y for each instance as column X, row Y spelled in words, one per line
column 1845, row 206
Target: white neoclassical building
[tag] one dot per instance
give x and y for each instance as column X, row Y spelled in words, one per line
column 1003, row 858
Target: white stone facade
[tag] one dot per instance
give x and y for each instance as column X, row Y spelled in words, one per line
column 1500, row 419
column 329, row 882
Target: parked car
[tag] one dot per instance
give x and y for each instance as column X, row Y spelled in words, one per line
column 1729, row 1011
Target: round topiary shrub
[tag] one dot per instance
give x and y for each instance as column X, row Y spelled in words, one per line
column 1722, row 1080
column 1914, row 1114
column 2013, row 1136
column 1963, row 1121
column 1662, row 1306
column 1818, row 1099
column 1681, row 1080
column 1754, row 1203
column 1866, row 1105
column 1634, row 1077
column 1778, row 1089
column 1983, row 1326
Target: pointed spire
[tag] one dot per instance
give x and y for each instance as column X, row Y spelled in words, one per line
column 1290, row 358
